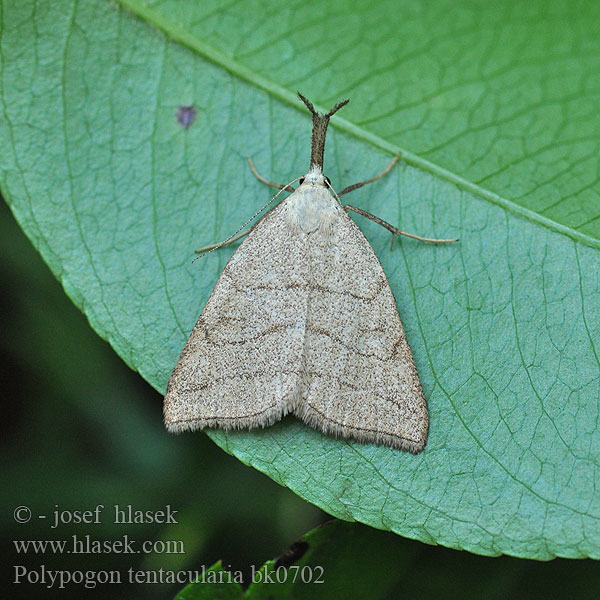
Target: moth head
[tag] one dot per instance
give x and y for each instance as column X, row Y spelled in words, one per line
column 315, row 177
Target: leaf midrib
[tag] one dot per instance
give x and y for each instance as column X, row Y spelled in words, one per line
column 184, row 37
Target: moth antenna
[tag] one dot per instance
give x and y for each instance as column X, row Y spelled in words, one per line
column 230, row 238
column 328, row 184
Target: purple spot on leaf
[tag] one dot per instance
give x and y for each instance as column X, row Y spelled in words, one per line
column 186, row 115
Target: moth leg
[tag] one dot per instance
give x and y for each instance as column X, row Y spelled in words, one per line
column 355, row 186
column 288, row 187
column 395, row 230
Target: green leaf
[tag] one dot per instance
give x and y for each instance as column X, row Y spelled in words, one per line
column 360, row 562
column 504, row 326
column 336, row 560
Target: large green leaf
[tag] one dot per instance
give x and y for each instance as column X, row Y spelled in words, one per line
column 503, row 326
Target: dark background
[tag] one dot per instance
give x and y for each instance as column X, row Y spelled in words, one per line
column 80, row 429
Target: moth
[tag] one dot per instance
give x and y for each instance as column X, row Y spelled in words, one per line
column 302, row 320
